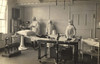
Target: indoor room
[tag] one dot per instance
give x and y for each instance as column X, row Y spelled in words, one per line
column 49, row 32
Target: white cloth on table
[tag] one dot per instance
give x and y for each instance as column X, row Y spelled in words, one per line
column 26, row 32
column 89, row 44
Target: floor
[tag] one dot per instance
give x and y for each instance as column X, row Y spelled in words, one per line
column 30, row 56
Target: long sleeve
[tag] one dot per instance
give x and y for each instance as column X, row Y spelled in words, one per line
column 70, row 31
column 37, row 28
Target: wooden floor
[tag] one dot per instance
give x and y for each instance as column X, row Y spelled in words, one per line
column 30, row 56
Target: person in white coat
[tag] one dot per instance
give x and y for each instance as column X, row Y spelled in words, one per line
column 50, row 27
column 35, row 26
column 70, row 30
column 50, row 30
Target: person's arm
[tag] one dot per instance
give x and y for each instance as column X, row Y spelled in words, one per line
column 66, row 32
column 37, row 27
column 30, row 25
column 46, row 30
column 74, row 31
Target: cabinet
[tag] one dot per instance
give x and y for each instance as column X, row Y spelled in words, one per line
column 15, row 20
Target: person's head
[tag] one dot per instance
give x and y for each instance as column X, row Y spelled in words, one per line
column 34, row 18
column 70, row 22
column 49, row 22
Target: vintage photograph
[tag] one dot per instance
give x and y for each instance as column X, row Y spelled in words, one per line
column 49, row 31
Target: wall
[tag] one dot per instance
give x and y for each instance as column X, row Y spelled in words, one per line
column 81, row 13
column 43, row 14
column 98, row 20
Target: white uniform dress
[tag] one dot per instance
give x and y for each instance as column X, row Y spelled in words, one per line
column 35, row 27
column 49, row 29
column 70, row 31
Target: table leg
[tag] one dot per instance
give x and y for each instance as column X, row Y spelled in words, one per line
column 98, row 54
column 39, row 51
column 57, row 54
column 46, row 50
column 22, row 46
column 76, row 54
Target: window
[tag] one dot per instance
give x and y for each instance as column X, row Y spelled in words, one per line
column 3, row 9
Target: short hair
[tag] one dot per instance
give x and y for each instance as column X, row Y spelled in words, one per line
column 34, row 18
column 49, row 21
column 70, row 21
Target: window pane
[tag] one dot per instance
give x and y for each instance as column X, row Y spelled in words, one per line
column 0, row 8
column 2, row 12
column 2, row 16
column 3, row 23
column 0, row 2
column 0, row 22
column 3, row 9
column 2, row 26
column 3, row 30
column 4, row 3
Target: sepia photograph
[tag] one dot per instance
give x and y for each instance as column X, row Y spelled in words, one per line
column 49, row 31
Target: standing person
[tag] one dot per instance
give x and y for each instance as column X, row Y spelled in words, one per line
column 35, row 26
column 49, row 31
column 70, row 30
column 50, row 27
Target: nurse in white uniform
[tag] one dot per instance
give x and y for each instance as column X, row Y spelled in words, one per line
column 35, row 27
column 50, row 30
column 70, row 30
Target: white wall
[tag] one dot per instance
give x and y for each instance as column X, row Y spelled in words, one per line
column 56, row 13
column 82, row 15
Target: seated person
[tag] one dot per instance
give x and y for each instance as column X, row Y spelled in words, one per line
column 70, row 30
